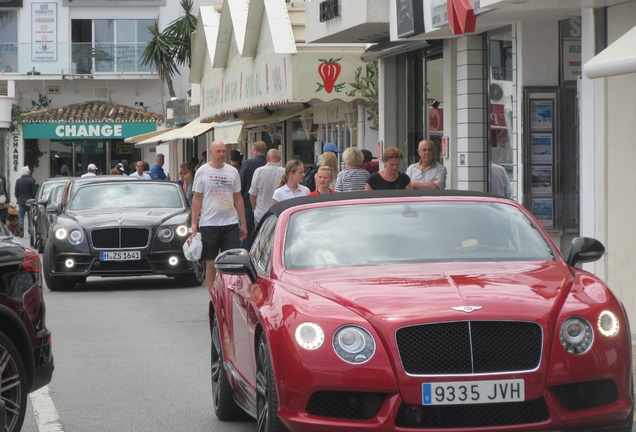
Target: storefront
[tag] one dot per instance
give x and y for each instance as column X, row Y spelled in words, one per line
column 69, row 138
column 287, row 93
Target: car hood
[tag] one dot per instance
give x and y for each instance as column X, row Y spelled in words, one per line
column 142, row 217
column 441, row 291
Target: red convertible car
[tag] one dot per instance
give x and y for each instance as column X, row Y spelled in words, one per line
column 414, row 311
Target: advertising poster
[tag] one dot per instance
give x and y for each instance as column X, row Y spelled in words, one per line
column 541, row 147
column 541, row 113
column 543, row 211
column 44, row 31
column 541, row 180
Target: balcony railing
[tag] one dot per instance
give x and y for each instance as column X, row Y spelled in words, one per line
column 74, row 58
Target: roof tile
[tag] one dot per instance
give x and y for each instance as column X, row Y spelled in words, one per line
column 92, row 111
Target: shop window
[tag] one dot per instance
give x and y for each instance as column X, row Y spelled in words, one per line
column 501, row 108
column 9, row 41
column 434, row 97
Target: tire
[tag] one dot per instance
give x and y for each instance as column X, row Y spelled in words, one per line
column 40, row 243
column 32, row 237
column 194, row 278
column 225, row 408
column 13, row 387
column 266, row 396
column 54, row 283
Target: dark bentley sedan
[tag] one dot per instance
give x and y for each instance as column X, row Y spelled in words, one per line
column 26, row 360
column 50, row 192
column 114, row 227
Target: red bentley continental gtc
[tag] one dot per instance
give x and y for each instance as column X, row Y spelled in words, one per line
column 412, row 311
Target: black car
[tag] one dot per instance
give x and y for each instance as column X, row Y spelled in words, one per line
column 26, row 359
column 118, row 227
column 38, row 220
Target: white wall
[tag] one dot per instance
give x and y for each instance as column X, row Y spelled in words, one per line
column 620, row 148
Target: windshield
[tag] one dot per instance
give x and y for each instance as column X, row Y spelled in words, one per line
column 381, row 233
column 119, row 195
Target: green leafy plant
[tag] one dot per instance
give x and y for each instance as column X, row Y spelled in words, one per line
column 367, row 87
column 172, row 47
column 180, row 30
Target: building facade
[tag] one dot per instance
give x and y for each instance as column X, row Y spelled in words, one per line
column 254, row 69
column 62, row 54
column 500, row 81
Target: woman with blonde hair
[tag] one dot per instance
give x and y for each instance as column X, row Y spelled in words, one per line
column 330, row 159
column 289, row 184
column 186, row 174
column 353, row 178
column 390, row 177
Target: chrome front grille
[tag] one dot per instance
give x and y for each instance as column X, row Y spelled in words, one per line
column 120, row 238
column 470, row 347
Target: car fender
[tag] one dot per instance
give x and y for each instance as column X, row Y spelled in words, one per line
column 11, row 325
column 293, row 364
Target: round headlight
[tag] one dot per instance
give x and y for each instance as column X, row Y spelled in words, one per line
column 309, row 335
column 61, row 233
column 608, row 324
column 576, row 335
column 183, row 230
column 165, row 234
column 353, row 344
column 75, row 237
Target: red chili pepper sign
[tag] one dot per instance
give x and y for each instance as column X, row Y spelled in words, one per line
column 329, row 70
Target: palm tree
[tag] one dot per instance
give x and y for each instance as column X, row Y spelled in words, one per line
column 180, row 30
column 161, row 53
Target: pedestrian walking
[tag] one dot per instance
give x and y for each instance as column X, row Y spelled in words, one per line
column 289, row 184
column 264, row 183
column 25, row 189
column 427, row 173
column 217, row 208
column 259, row 149
column 353, row 178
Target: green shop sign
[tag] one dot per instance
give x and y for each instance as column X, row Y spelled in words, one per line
column 86, row 130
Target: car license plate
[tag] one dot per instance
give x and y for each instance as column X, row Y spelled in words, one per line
column 119, row 256
column 473, row 392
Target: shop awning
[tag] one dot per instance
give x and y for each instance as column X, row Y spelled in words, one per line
column 138, row 138
column 228, row 132
column 189, row 131
column 617, row 59
column 277, row 115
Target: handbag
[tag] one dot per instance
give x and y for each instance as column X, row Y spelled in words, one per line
column 193, row 247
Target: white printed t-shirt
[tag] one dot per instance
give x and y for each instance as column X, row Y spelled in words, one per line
column 218, row 187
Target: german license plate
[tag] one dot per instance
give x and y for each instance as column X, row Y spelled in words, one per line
column 120, row 256
column 473, row 392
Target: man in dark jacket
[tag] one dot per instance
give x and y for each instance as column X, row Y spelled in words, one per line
column 259, row 150
column 25, row 189
column 4, row 199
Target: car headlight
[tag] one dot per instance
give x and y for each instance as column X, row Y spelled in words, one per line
column 577, row 335
column 353, row 344
column 61, row 233
column 165, row 234
column 608, row 323
column 310, row 335
column 75, row 237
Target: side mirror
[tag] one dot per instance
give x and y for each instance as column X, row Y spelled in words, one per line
column 585, row 249
column 236, row 262
column 43, row 202
column 54, row 208
column 30, row 202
